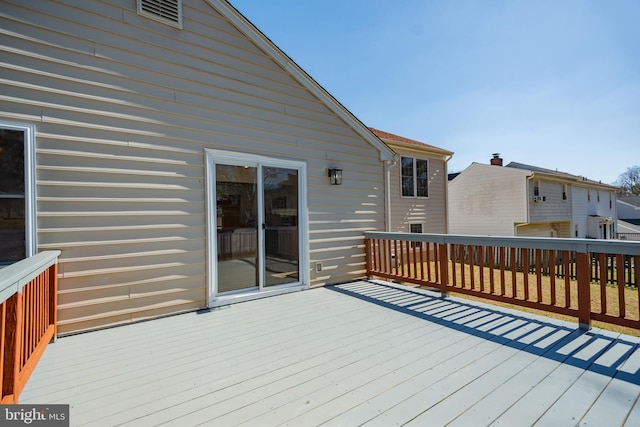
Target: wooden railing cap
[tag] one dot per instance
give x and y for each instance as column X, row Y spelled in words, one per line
column 555, row 243
column 15, row 276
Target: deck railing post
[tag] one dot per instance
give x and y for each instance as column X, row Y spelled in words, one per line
column 368, row 243
column 584, row 290
column 53, row 299
column 13, row 346
column 444, row 269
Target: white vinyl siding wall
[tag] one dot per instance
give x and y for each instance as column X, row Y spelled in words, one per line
column 488, row 200
column 553, row 207
column 123, row 108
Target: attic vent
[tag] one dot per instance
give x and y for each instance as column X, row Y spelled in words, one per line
column 167, row 11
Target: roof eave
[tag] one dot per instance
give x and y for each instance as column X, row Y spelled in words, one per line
column 425, row 148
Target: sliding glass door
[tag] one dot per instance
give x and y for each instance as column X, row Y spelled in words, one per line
column 256, row 202
column 281, row 231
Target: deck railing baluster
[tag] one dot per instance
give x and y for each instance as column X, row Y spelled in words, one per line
column 465, row 264
column 620, row 271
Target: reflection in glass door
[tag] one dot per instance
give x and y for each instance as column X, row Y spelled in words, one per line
column 281, row 230
column 237, row 227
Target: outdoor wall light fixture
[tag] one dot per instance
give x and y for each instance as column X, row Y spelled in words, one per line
column 335, row 176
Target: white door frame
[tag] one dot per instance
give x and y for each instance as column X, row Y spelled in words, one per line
column 212, row 157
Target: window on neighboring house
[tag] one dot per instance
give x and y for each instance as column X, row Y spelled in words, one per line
column 536, row 188
column 588, row 195
column 576, row 230
column 598, row 195
column 415, row 177
column 610, row 201
column 17, row 192
column 166, row 11
column 415, row 228
column 564, row 191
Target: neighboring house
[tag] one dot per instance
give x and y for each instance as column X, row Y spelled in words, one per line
column 629, row 208
column 418, row 183
column 525, row 200
column 176, row 157
column 628, row 224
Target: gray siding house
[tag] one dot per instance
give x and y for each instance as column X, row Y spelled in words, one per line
column 525, row 200
column 176, row 157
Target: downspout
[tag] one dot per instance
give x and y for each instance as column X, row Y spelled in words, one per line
column 446, row 193
column 388, row 165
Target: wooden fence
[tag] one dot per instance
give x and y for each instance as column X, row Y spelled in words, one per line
column 588, row 279
column 28, row 301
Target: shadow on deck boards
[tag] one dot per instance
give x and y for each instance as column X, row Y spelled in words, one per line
column 607, row 353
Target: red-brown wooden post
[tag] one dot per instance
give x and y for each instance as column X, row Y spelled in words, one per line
column 444, row 269
column 620, row 270
column 13, row 347
column 514, row 275
column 584, row 290
column 368, row 257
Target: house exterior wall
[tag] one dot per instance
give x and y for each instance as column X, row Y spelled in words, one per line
column 580, row 209
column 430, row 211
column 627, row 211
column 553, row 208
column 589, row 201
column 124, row 107
column 487, row 200
column 545, row 229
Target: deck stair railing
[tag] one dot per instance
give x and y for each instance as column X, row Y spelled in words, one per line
column 28, row 301
column 585, row 278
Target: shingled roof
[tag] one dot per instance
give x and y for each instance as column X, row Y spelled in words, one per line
column 386, row 136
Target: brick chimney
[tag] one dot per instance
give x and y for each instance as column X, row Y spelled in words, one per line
column 497, row 160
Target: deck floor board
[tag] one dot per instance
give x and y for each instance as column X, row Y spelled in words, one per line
column 362, row 353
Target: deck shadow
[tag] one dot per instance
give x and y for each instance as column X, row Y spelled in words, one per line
column 616, row 356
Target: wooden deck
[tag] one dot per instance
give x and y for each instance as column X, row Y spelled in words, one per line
column 360, row 353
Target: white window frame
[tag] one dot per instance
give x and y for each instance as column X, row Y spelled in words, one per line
column 415, row 178
column 30, row 227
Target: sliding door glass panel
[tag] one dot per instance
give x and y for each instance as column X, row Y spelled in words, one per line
column 237, row 227
column 281, row 226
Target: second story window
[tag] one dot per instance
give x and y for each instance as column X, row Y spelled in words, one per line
column 564, row 191
column 536, row 188
column 415, row 177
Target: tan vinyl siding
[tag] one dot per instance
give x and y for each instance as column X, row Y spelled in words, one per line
column 545, row 229
column 430, row 211
column 124, row 107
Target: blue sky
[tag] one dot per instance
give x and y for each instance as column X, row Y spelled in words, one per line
column 553, row 83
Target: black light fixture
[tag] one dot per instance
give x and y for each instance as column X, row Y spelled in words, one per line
column 335, row 176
